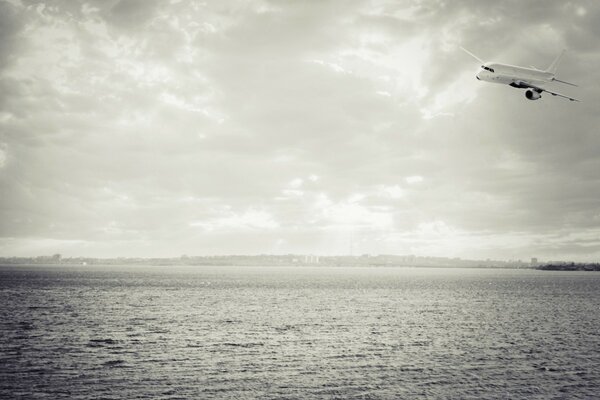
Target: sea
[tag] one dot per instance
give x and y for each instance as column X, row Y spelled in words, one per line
column 198, row 332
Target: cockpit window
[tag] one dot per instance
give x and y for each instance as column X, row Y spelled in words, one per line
column 488, row 68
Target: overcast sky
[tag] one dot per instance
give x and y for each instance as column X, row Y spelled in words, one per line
column 157, row 128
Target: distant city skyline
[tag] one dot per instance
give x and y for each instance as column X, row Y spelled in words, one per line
column 155, row 129
column 309, row 258
column 407, row 260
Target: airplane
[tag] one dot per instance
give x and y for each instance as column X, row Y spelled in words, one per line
column 531, row 78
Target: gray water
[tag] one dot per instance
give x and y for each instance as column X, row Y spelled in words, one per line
column 298, row 333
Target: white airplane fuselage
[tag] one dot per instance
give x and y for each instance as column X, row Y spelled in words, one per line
column 512, row 74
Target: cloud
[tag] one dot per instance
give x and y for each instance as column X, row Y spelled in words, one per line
column 143, row 127
column 229, row 220
column 3, row 154
column 10, row 27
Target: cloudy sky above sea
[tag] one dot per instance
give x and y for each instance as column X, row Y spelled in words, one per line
column 161, row 128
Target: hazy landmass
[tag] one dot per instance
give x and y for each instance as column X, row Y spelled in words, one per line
column 277, row 260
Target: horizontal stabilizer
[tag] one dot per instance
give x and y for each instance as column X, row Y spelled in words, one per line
column 566, row 83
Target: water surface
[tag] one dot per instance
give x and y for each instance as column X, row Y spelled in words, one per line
column 309, row 333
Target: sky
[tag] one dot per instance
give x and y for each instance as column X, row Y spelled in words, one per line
column 162, row 128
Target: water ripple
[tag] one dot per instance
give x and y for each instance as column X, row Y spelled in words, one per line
column 272, row 333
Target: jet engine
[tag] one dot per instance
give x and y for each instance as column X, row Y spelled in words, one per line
column 532, row 94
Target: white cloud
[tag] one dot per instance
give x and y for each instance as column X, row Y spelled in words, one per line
column 296, row 183
column 3, row 154
column 334, row 67
column 435, row 228
column 413, row 179
column 350, row 214
column 459, row 91
column 393, row 192
column 229, row 220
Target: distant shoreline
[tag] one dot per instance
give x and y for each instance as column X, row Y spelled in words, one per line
column 364, row 260
column 374, row 266
column 548, row 267
column 297, row 260
column 570, row 267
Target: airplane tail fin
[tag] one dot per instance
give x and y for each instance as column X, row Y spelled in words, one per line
column 554, row 66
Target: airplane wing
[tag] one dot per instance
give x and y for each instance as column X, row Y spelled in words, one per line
column 540, row 90
column 472, row 55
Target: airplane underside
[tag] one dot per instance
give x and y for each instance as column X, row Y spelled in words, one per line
column 519, row 85
column 531, row 93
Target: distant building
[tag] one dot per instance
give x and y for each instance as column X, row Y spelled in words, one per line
column 311, row 259
column 534, row 261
